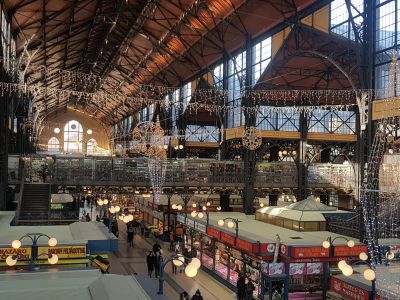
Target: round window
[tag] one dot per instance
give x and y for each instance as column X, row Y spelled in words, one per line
column 73, row 126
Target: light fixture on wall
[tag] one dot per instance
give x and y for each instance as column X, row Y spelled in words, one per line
column 56, row 130
column 89, row 131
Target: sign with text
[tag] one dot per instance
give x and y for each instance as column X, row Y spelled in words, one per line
column 63, row 251
column 347, row 251
column 309, row 252
column 213, row 232
column 200, row 227
column 349, row 291
column 21, row 253
column 180, row 219
column 189, row 222
column 244, row 245
column 227, row 238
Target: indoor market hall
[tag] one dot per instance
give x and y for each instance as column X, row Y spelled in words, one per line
column 200, row 150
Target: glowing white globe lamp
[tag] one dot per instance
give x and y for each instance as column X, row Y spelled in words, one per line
column 16, row 244
column 363, row 256
column 200, row 215
column 342, row 264
column 179, row 260
column 351, row 243
column 89, row 131
column 347, row 270
column 52, row 242
column 130, row 217
column 230, row 224
column 53, row 259
column 195, row 263
column 190, row 271
column 193, row 214
column 221, row 222
column 105, row 201
column 174, row 206
column 57, row 130
column 326, row 244
column 369, row 274
column 11, row 260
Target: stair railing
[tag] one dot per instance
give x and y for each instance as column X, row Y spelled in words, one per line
column 21, row 192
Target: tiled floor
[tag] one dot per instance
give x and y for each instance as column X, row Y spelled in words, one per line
column 133, row 260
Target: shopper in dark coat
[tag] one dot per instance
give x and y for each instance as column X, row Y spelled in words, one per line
column 249, row 290
column 184, row 296
column 241, row 287
column 197, row 296
column 157, row 261
column 156, row 248
column 150, row 263
column 131, row 235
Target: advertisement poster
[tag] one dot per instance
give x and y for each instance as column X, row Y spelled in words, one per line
column 276, row 269
column 64, row 251
column 314, row 268
column 297, row 268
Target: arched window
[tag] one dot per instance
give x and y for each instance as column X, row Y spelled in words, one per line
column 91, row 146
column 53, row 145
column 73, row 134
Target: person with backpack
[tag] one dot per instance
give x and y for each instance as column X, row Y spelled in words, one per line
column 241, row 287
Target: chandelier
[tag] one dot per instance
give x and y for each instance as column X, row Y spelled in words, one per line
column 149, row 138
column 250, row 139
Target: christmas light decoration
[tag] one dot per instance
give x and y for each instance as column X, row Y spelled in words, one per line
column 250, row 139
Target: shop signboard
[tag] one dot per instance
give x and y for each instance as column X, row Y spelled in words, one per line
column 200, row 227
column 21, row 253
column 276, row 269
column 349, row 291
column 214, row 232
column 347, row 251
column 301, row 252
column 314, row 268
column 64, row 251
column 244, row 245
column 283, row 249
column 297, row 268
column 189, row 222
column 180, row 219
column 227, row 239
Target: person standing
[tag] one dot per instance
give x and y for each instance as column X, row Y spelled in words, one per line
column 142, row 226
column 131, row 235
column 150, row 263
column 171, row 240
column 157, row 261
column 197, row 296
column 249, row 289
column 184, row 296
column 241, row 287
column 156, row 248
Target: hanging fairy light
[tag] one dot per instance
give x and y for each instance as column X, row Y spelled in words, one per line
column 250, row 138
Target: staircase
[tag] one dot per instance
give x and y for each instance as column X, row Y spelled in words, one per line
column 35, row 204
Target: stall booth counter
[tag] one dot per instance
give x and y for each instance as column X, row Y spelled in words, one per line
column 223, row 255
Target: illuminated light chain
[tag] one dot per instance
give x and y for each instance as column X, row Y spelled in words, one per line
column 250, row 138
column 143, row 98
column 380, row 197
column 157, row 168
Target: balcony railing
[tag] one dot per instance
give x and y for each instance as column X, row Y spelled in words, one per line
column 182, row 172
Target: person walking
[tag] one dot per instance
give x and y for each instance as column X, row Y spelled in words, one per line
column 241, row 287
column 197, row 296
column 171, row 240
column 150, row 263
column 142, row 226
column 156, row 248
column 249, row 289
column 131, row 235
column 157, row 261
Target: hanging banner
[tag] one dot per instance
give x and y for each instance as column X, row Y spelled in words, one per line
column 189, row 222
column 314, row 268
column 21, row 253
column 276, row 269
column 214, row 232
column 297, row 269
column 63, row 251
column 227, row 239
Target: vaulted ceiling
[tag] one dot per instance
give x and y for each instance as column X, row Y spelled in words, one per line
column 106, row 48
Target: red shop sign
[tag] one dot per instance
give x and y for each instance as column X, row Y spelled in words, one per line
column 213, row 232
column 227, row 239
column 349, row 291
column 310, row 252
column 244, row 245
column 347, row 251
